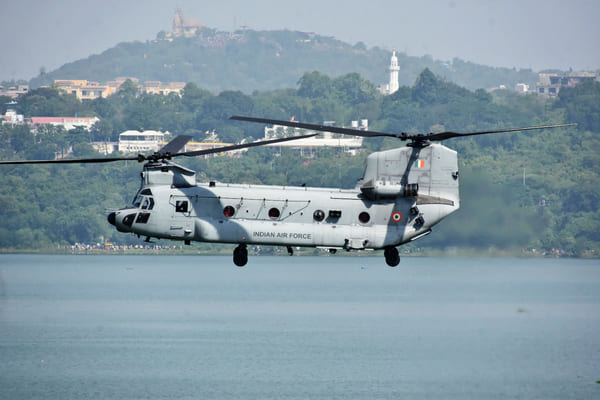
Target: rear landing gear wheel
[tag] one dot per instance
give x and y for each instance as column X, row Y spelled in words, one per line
column 392, row 258
column 240, row 255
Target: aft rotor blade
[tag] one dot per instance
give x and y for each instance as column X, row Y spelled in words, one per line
column 450, row 135
column 418, row 138
column 315, row 127
column 240, row 146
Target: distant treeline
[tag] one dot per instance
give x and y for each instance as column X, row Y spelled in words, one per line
column 526, row 190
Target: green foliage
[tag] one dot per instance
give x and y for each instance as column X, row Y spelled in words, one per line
column 555, row 206
column 581, row 103
column 49, row 102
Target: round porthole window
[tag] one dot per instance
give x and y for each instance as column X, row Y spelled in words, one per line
column 364, row 217
column 228, row 211
column 274, row 213
column 319, row 215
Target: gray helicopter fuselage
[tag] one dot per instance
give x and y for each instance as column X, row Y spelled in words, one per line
column 403, row 193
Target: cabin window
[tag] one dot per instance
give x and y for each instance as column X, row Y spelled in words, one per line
column 364, row 217
column 274, row 213
column 181, row 206
column 228, row 211
column 319, row 215
column 335, row 214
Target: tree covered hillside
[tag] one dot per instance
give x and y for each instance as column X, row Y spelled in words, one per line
column 267, row 60
column 522, row 190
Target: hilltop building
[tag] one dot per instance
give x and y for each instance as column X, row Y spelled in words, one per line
column 393, row 85
column 14, row 91
column 185, row 28
column 549, row 84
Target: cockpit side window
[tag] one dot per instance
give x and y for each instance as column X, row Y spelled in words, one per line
column 144, row 198
column 181, row 206
column 148, row 203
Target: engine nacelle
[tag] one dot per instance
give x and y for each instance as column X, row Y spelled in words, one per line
column 381, row 189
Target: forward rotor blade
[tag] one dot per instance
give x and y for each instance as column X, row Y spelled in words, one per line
column 240, row 146
column 450, row 135
column 314, row 127
column 176, row 144
column 72, row 160
column 162, row 154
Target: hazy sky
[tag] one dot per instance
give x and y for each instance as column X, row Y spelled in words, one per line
column 537, row 34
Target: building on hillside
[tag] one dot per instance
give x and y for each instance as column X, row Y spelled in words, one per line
column 157, row 87
column 308, row 146
column 194, row 146
column 393, row 85
column 14, row 91
column 66, row 122
column 105, row 147
column 85, row 90
column 10, row 116
column 141, row 142
column 549, row 84
column 522, row 88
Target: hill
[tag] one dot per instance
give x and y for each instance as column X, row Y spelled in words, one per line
column 266, row 60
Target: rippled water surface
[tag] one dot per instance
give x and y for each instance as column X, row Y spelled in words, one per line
column 183, row 327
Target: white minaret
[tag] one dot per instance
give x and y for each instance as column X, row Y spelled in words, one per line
column 394, row 68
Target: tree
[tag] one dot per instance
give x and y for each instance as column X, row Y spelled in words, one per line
column 582, row 103
column 315, row 85
column 128, row 90
column 353, row 90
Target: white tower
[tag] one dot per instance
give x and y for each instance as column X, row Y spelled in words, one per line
column 394, row 68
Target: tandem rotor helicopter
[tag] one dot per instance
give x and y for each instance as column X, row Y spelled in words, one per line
column 403, row 193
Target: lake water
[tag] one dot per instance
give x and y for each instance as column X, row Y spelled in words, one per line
column 185, row 327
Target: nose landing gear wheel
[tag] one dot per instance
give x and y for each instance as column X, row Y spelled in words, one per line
column 392, row 258
column 240, row 255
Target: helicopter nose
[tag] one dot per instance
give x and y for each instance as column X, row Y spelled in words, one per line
column 122, row 220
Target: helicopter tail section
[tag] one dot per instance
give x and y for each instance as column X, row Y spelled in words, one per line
column 421, row 181
column 429, row 174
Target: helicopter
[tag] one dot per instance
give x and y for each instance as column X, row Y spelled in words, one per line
column 403, row 194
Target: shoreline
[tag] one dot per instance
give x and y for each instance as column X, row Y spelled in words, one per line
column 226, row 250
